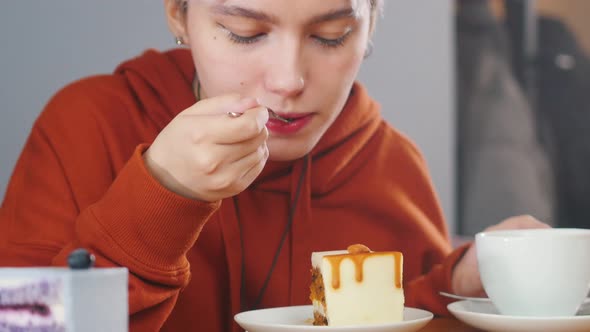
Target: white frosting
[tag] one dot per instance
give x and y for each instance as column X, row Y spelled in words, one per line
column 317, row 257
column 374, row 300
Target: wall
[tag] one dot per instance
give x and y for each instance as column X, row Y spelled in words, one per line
column 47, row 44
column 411, row 73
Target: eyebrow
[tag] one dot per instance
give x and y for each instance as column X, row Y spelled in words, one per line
column 243, row 12
column 333, row 15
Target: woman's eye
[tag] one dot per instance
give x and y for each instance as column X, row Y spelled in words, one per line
column 241, row 39
column 250, row 39
column 244, row 39
column 337, row 42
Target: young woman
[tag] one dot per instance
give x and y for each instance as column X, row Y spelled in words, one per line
column 173, row 168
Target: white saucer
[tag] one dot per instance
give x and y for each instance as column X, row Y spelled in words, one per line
column 484, row 315
column 300, row 318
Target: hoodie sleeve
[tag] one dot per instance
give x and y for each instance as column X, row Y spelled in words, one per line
column 428, row 255
column 423, row 292
column 63, row 195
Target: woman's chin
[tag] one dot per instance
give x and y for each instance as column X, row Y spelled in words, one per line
column 292, row 147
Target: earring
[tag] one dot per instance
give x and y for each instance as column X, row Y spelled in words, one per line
column 179, row 41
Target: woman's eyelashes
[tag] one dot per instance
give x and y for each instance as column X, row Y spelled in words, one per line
column 253, row 38
column 333, row 43
column 239, row 39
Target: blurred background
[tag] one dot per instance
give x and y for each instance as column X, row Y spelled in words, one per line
column 494, row 92
column 523, row 111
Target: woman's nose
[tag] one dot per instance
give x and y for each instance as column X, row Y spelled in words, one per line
column 285, row 75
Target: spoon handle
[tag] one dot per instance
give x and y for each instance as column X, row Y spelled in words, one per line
column 459, row 297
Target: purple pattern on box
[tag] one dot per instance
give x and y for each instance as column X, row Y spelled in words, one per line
column 26, row 307
column 4, row 327
column 42, row 291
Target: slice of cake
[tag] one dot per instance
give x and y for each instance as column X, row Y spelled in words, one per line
column 357, row 287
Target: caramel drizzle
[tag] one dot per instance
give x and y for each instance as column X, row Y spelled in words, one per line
column 358, row 261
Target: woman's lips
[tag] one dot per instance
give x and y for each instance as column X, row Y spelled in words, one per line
column 297, row 122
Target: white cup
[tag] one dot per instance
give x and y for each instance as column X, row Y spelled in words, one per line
column 539, row 272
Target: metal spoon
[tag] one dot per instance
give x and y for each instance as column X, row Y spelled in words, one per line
column 459, row 297
column 278, row 117
column 271, row 113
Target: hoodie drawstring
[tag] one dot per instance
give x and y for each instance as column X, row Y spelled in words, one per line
column 288, row 226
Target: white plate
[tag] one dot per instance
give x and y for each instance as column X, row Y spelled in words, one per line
column 586, row 302
column 300, row 318
column 485, row 316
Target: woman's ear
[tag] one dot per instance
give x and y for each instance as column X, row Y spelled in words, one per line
column 176, row 11
column 375, row 13
column 369, row 49
column 372, row 24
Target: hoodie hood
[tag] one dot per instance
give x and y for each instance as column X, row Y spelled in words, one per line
column 161, row 82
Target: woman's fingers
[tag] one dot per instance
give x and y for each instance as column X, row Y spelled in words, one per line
column 250, row 175
column 519, row 222
column 206, row 154
column 236, row 176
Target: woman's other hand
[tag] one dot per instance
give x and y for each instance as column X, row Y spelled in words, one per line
column 466, row 279
column 204, row 154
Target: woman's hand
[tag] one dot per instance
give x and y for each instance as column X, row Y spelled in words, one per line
column 204, row 154
column 466, row 280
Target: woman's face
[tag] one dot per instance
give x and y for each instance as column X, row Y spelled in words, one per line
column 299, row 58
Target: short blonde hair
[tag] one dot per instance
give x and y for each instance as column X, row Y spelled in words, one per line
column 376, row 7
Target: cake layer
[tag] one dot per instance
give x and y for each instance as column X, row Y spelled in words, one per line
column 357, row 289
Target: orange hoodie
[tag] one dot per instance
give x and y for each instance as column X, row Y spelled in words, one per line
column 81, row 182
